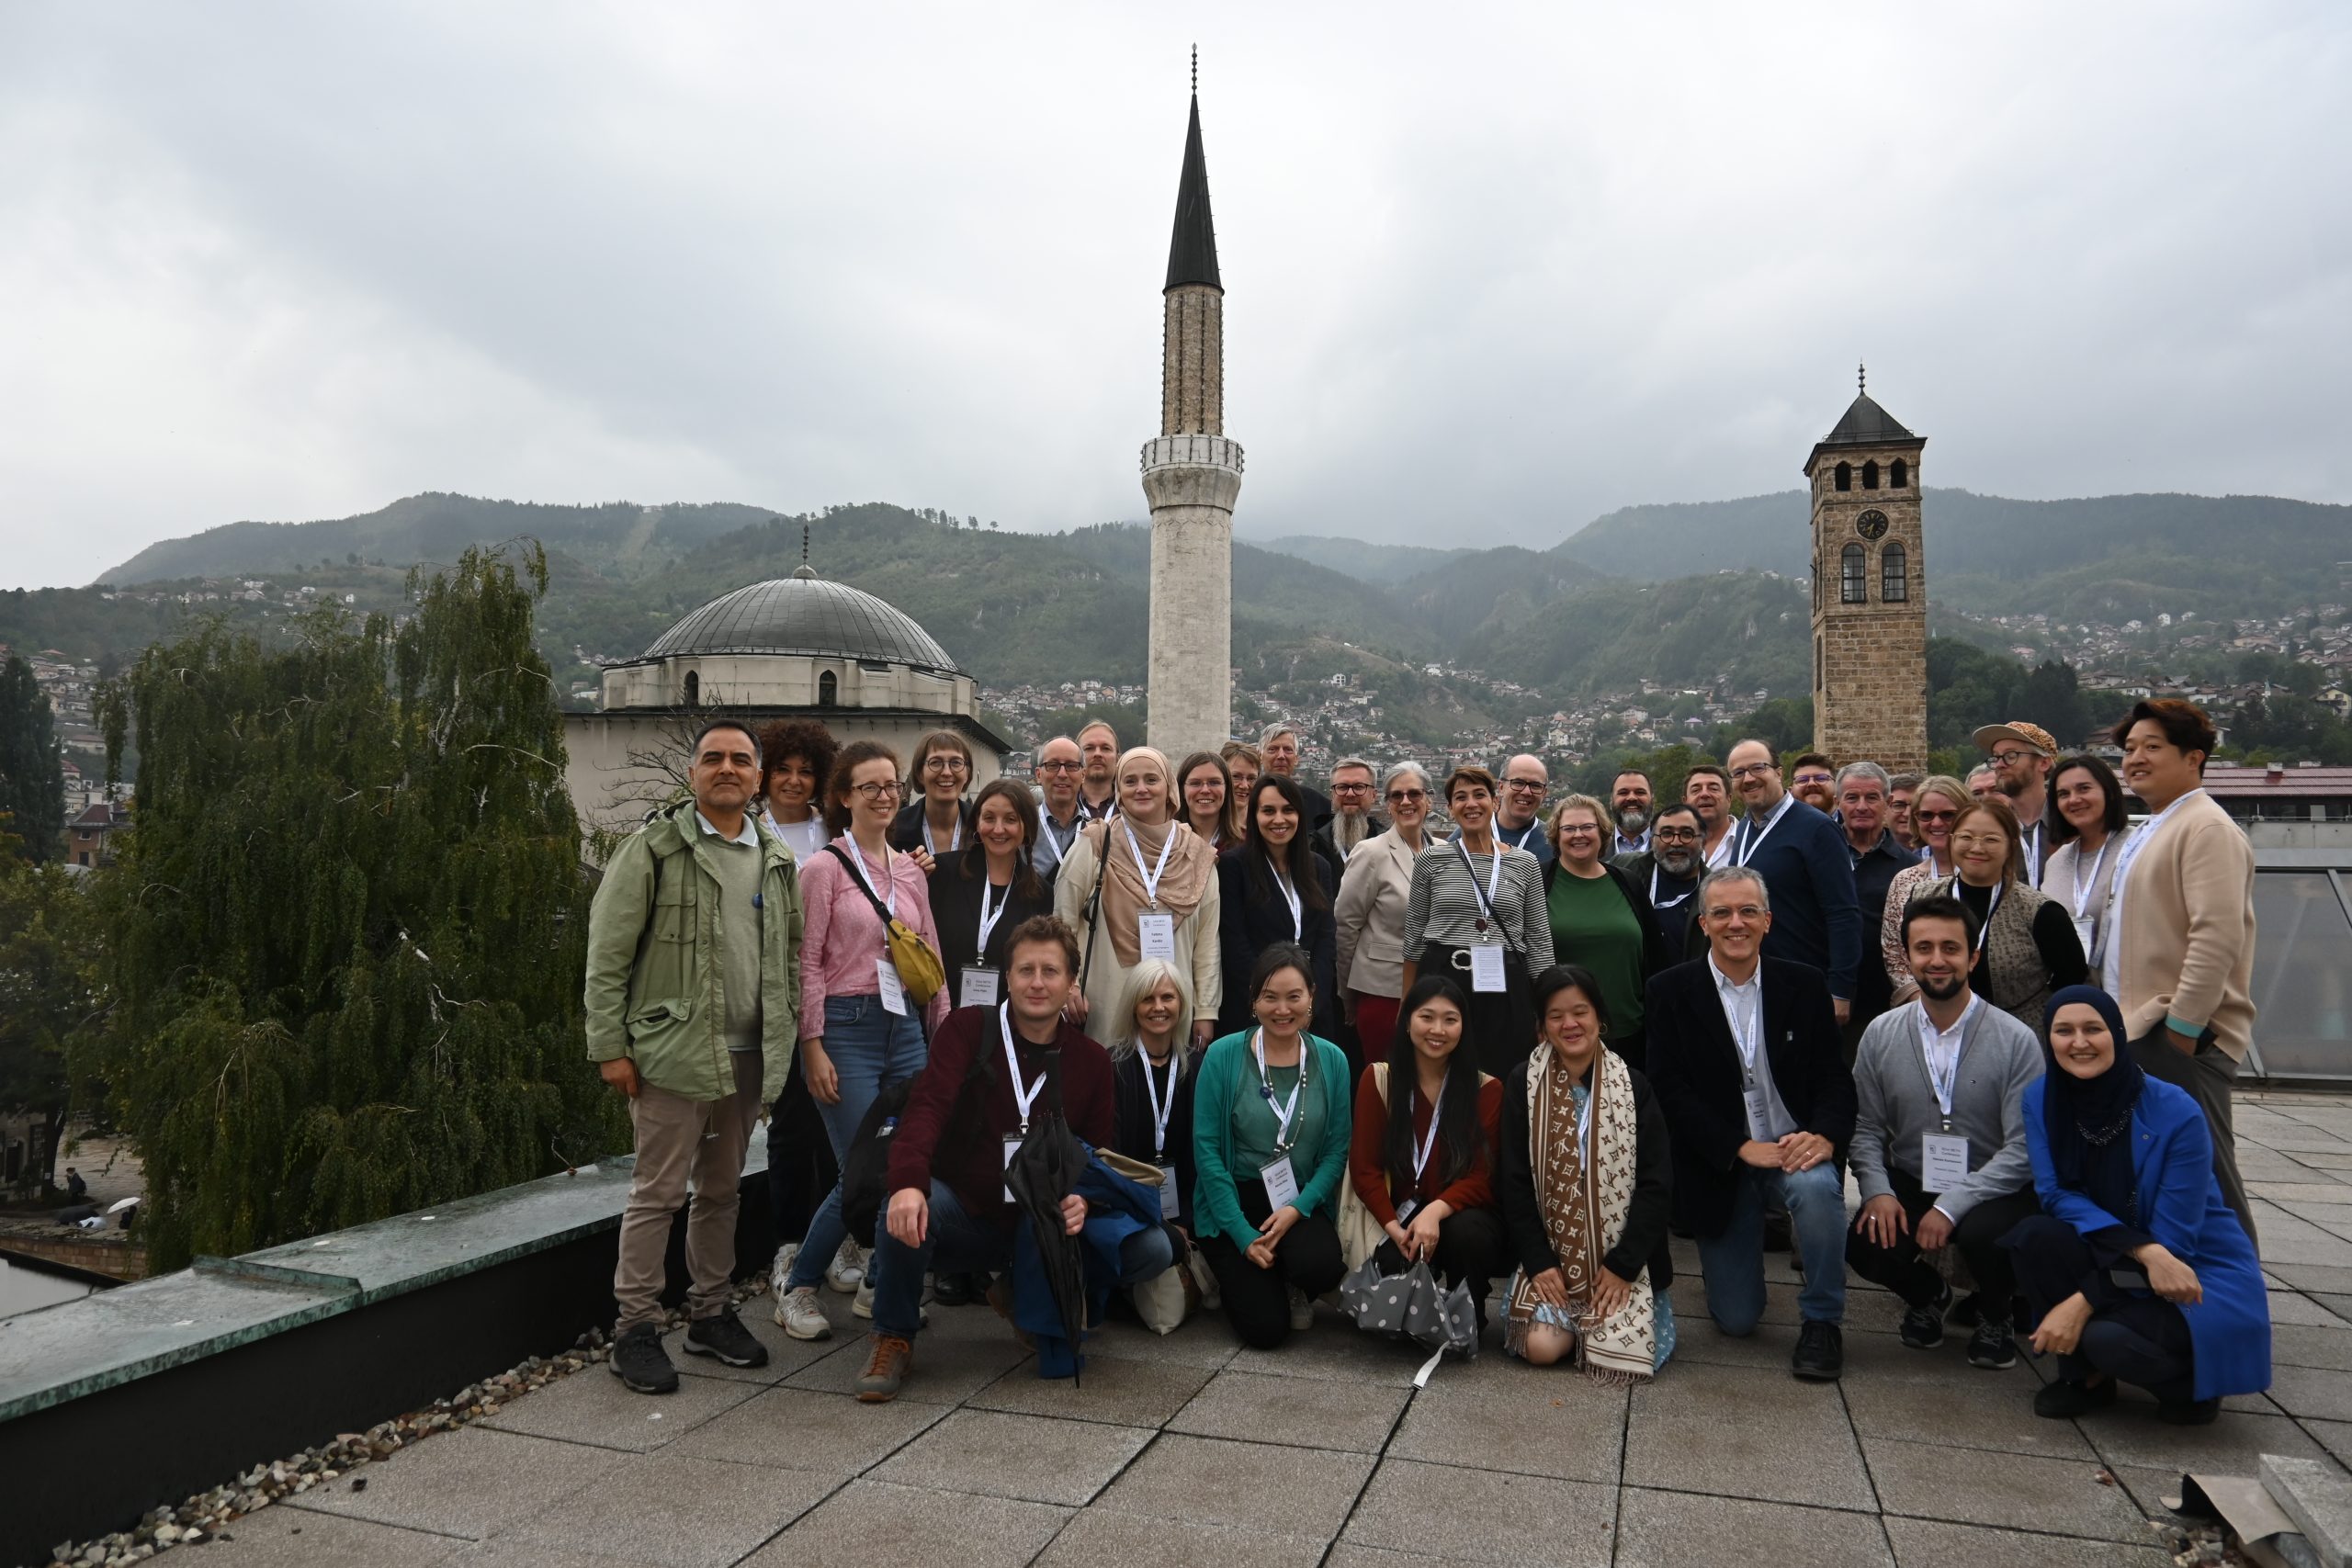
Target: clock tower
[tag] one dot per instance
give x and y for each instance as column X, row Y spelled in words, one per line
column 1869, row 592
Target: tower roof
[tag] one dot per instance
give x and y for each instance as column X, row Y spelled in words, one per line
column 1191, row 248
column 1866, row 425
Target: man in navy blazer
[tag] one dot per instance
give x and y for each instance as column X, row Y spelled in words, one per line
column 1746, row 1062
column 1801, row 857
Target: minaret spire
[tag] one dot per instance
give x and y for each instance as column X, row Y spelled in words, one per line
column 1191, row 248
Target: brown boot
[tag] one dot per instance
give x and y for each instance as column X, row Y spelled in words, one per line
column 886, row 1361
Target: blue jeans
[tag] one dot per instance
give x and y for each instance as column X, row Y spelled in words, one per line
column 871, row 1048
column 1732, row 1263
column 955, row 1243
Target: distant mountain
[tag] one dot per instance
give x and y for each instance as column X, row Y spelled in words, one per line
column 1385, row 565
column 619, row 537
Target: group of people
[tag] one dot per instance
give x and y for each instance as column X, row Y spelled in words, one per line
column 1302, row 1035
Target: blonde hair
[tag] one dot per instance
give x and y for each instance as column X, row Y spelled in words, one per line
column 1600, row 816
column 1138, row 982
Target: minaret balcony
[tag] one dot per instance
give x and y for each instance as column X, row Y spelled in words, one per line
column 1192, row 451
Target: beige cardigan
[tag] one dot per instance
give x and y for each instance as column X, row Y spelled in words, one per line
column 1102, row 978
column 1370, row 914
column 2186, row 928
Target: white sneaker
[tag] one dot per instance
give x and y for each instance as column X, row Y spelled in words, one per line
column 847, row 1268
column 1302, row 1310
column 1212, row 1299
column 780, row 1275
column 863, row 1305
column 801, row 1316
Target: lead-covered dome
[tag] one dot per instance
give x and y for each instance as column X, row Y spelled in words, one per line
column 803, row 615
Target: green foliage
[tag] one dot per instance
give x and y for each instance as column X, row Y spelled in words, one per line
column 48, row 990
column 1746, row 629
column 348, row 920
column 1969, row 687
column 32, row 780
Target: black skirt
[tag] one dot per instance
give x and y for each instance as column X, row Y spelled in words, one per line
column 1500, row 1026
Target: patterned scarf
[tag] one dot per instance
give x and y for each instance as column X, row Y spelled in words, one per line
column 1584, row 1209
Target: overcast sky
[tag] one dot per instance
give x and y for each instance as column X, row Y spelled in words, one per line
column 1490, row 271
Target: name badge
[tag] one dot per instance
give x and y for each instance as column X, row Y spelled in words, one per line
column 1156, row 936
column 1168, row 1207
column 1759, row 1114
column 885, row 980
column 1943, row 1161
column 1486, row 968
column 1282, row 1186
column 1407, row 1210
column 1011, row 1147
column 2084, row 930
column 978, row 989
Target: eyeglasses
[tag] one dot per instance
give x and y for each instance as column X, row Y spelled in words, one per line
column 1674, row 835
column 946, row 765
column 2012, row 757
column 1978, row 840
column 1407, row 797
column 1754, row 769
column 1351, row 789
column 1921, row 814
column 1579, row 830
column 888, row 789
column 1060, row 767
column 1745, row 911
column 1813, row 777
column 1523, row 783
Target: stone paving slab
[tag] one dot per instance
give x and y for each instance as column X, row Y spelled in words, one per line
column 797, row 1428
column 696, row 1513
column 1033, row 1458
column 1927, row 1543
column 871, row 1523
column 1672, row 1529
column 1485, row 1515
column 435, row 1484
column 1499, row 1414
column 593, row 1406
column 1977, row 1412
column 1974, row 1486
column 1305, row 1412
column 1099, row 1538
column 294, row 1538
column 1733, row 1432
column 1247, row 1486
column 1112, row 1389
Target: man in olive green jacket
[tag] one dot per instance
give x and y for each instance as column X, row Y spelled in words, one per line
column 693, row 1007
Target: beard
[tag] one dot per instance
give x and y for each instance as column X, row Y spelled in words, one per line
column 1943, row 991
column 1350, row 829
column 1630, row 821
column 1677, row 864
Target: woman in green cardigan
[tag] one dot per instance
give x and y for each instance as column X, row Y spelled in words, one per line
column 1271, row 1125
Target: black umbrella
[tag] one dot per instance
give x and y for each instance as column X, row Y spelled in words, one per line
column 1045, row 1172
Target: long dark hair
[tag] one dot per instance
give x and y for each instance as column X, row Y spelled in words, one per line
column 972, row 860
column 1306, row 867
column 1460, row 1133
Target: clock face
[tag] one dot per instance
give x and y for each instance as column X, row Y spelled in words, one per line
column 1870, row 525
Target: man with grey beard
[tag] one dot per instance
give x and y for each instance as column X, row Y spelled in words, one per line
column 1668, row 872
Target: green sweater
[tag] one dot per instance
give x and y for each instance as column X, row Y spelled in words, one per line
column 1228, row 1071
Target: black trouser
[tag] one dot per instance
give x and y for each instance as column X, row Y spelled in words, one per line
column 1257, row 1301
column 1904, row 1270
column 1469, row 1251
column 1500, row 1026
column 2132, row 1339
column 800, row 1158
column 2208, row 1075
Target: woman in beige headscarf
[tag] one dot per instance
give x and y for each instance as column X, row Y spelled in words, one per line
column 1141, row 884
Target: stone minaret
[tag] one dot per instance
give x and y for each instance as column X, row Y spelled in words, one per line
column 1869, row 592
column 1192, row 475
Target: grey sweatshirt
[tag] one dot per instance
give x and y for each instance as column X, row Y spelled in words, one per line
column 1998, row 1057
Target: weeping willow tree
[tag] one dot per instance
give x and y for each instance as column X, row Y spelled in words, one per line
column 348, row 920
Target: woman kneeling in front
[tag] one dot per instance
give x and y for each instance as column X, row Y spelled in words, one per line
column 1586, row 1191
column 1270, row 1146
column 2137, row 1268
column 1422, row 1159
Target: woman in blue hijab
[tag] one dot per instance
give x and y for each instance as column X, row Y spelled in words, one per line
column 2136, row 1269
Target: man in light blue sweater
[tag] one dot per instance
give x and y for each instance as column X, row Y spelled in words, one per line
column 1940, row 1149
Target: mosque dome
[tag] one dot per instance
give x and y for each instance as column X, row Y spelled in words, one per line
column 803, row 615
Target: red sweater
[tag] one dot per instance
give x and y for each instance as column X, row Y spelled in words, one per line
column 1368, row 1169
column 956, row 1135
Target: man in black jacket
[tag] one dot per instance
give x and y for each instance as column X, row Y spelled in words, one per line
column 1745, row 1055
column 1668, row 874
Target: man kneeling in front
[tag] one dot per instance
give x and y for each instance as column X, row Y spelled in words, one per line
column 992, row 1071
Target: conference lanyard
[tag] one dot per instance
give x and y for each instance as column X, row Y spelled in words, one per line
column 2034, row 856
column 890, row 901
column 1159, row 1113
column 1944, row 1082
column 1992, row 902
column 1022, row 1098
column 1290, row 897
column 1751, row 837
column 1424, row 1147
column 2083, row 885
column 989, row 918
column 955, row 842
column 1494, row 879
column 1151, row 877
column 1266, row 1087
column 1524, row 834
column 1670, row 903
column 1746, row 1033
column 1584, row 1132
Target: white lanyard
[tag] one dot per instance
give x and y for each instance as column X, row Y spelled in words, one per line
column 1744, row 1034
column 2033, row 847
column 1524, row 834
column 1751, row 837
column 1151, row 877
column 1159, row 1113
column 890, row 901
column 1494, row 879
column 2084, row 885
column 1266, row 1088
column 1670, row 903
column 989, row 918
column 1992, row 902
column 955, row 842
column 1584, row 1132
column 1290, row 897
column 1424, row 1147
column 1022, row 1098
column 1944, row 1082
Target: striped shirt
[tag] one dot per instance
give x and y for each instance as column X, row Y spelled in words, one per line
column 1446, row 905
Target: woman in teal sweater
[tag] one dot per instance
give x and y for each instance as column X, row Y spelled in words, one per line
column 1271, row 1125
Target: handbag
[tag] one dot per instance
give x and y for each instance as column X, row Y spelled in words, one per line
column 921, row 973
column 1360, row 1234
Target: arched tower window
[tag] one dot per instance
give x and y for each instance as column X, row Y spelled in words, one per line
column 1856, row 574
column 829, row 690
column 1898, row 474
column 1844, row 476
column 1817, row 663
column 1870, row 474
column 693, row 690
column 1893, row 574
